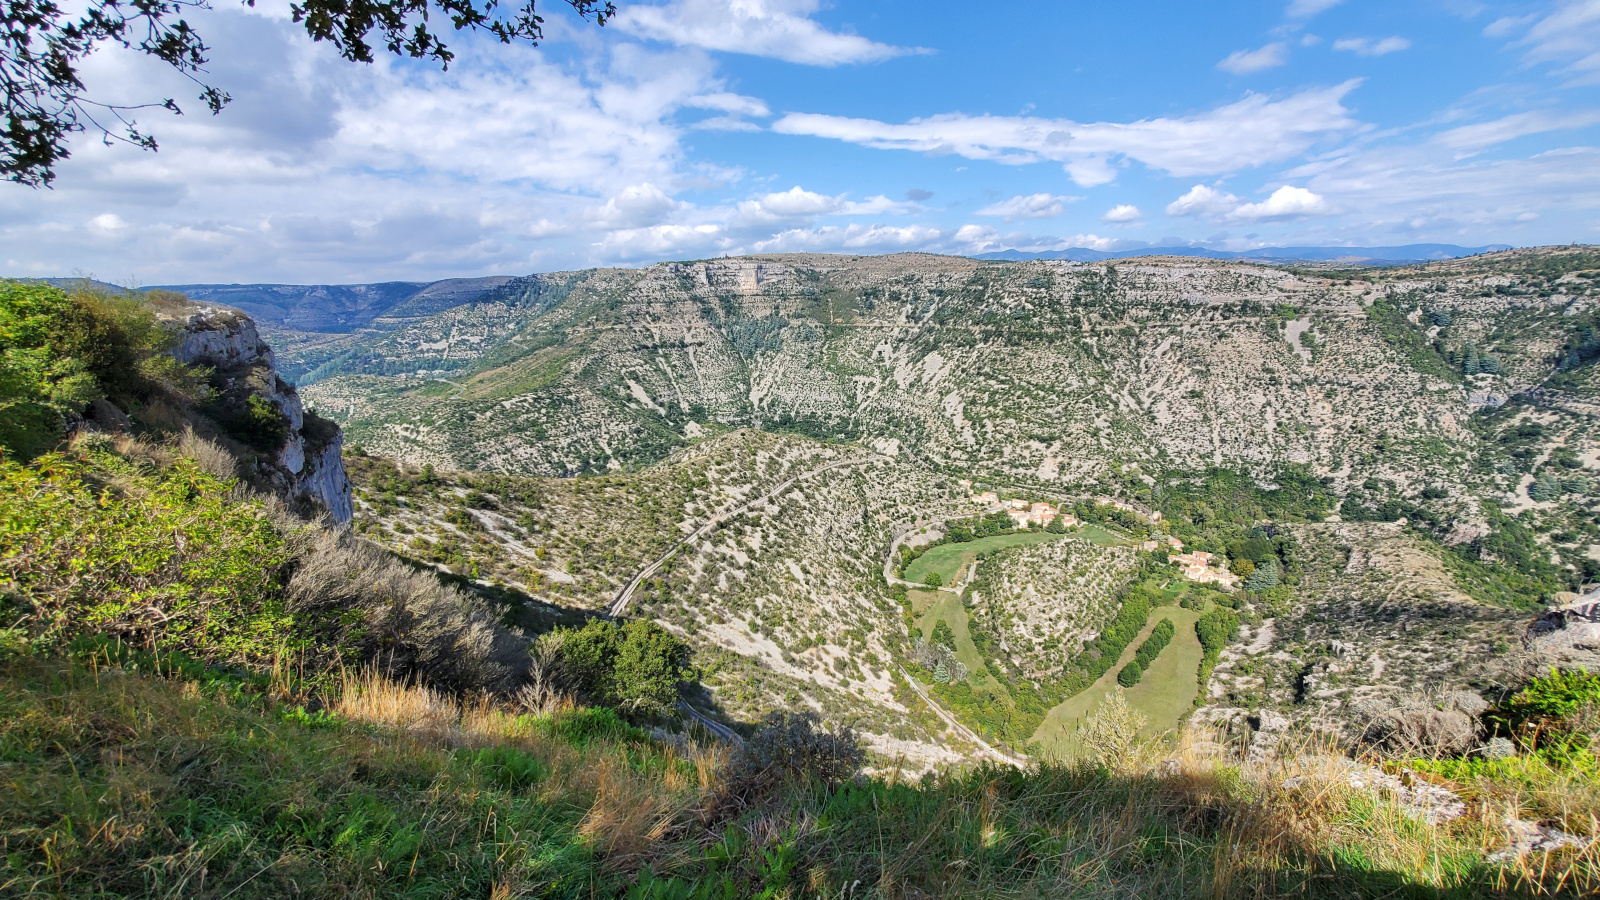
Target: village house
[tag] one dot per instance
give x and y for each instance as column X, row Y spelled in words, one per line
column 987, row 498
column 1196, row 566
column 1017, row 503
column 1040, row 514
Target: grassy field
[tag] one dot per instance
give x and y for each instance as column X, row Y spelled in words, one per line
column 950, row 560
column 930, row 607
column 1165, row 694
column 1098, row 534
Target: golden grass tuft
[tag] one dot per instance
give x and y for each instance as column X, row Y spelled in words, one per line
column 631, row 813
column 373, row 699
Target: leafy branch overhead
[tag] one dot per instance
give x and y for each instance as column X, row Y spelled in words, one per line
column 43, row 47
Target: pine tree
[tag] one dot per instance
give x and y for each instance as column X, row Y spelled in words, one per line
column 941, row 674
column 1469, row 366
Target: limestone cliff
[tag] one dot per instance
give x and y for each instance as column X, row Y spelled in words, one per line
column 300, row 454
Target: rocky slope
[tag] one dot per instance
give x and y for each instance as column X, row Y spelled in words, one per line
column 1446, row 409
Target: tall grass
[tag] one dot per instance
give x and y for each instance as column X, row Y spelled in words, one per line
column 122, row 785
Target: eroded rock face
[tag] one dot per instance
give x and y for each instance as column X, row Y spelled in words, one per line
column 1568, row 636
column 307, row 463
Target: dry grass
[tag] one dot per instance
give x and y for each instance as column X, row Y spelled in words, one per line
column 414, row 709
column 412, row 622
column 208, row 455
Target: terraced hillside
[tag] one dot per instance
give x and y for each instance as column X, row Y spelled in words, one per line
column 1440, row 416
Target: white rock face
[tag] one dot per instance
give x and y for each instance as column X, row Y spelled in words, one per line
column 309, row 464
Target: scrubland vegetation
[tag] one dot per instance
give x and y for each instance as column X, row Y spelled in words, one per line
column 204, row 693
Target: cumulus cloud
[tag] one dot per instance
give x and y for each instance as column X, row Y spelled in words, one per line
column 1202, row 200
column 1029, row 206
column 634, row 207
column 1121, row 214
column 797, row 203
column 881, row 238
column 780, row 29
column 1241, row 62
column 324, row 171
column 1372, row 46
column 1286, row 202
column 1247, row 133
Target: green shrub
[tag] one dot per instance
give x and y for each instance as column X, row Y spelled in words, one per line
column 638, row 666
column 58, row 352
column 1556, row 716
column 1130, row 674
column 1159, row 637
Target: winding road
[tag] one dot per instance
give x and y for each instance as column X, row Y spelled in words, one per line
column 625, row 596
column 958, row 728
column 721, row 731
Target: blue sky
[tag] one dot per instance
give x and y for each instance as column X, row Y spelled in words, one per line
column 695, row 128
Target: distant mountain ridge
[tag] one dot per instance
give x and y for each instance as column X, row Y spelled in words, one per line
column 340, row 308
column 1381, row 256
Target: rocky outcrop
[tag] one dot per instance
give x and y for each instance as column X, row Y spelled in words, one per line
column 1568, row 636
column 299, row 455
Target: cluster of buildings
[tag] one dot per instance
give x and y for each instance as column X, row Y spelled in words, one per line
column 1197, row 567
column 1022, row 512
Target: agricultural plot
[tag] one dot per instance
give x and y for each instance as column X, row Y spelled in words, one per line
column 1165, row 694
column 949, row 561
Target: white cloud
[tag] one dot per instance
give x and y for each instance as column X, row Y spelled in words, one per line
column 1471, row 138
column 664, row 241
column 635, row 206
column 1029, row 206
column 106, row 223
column 798, row 203
column 1408, row 192
column 1305, row 9
column 1241, row 62
column 1247, row 133
column 1507, row 24
column 1286, row 202
column 1121, row 214
column 1370, row 47
column 324, row 171
column 732, row 104
column 883, row 238
column 781, row 29
column 1570, row 35
column 1203, row 201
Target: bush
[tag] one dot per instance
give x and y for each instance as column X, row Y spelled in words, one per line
column 1556, row 716
column 175, row 560
column 1130, row 674
column 58, row 352
column 788, row 750
column 933, row 580
column 1159, row 637
column 637, row 667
